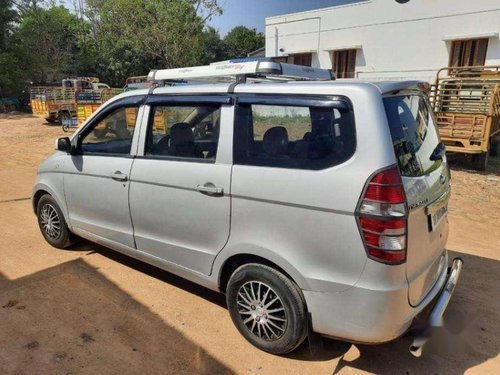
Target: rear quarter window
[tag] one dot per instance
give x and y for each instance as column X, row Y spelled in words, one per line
column 293, row 136
column 413, row 132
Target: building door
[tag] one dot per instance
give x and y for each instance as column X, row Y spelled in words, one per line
column 471, row 52
column 344, row 63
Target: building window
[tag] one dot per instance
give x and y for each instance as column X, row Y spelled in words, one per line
column 344, row 63
column 471, row 52
column 304, row 59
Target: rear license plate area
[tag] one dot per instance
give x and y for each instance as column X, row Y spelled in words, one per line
column 438, row 216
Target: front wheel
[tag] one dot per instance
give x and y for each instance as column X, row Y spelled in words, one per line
column 267, row 308
column 65, row 128
column 52, row 224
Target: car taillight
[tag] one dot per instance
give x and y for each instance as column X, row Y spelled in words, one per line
column 382, row 217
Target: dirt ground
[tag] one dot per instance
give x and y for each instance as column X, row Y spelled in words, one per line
column 90, row 310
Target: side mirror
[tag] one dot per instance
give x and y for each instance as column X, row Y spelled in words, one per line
column 64, row 144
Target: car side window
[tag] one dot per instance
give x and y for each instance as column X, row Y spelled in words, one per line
column 293, row 136
column 112, row 134
column 184, row 131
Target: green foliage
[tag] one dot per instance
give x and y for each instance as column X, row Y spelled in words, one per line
column 241, row 40
column 9, row 65
column 42, row 43
column 7, row 19
column 213, row 47
column 10, row 74
column 133, row 37
column 47, row 42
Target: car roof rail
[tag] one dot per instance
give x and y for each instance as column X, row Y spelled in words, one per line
column 240, row 72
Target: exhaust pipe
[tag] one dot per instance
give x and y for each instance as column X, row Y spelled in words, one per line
column 417, row 349
column 436, row 315
column 417, row 346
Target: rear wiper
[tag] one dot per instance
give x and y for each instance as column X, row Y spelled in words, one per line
column 438, row 152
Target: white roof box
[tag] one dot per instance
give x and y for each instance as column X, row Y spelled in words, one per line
column 241, row 71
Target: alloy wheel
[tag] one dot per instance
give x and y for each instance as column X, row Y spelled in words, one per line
column 50, row 221
column 261, row 310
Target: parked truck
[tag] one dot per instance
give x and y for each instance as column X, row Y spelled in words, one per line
column 56, row 103
column 466, row 101
column 87, row 101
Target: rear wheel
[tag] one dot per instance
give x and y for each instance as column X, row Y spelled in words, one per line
column 52, row 224
column 480, row 161
column 267, row 308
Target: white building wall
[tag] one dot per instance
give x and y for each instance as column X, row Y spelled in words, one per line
column 394, row 41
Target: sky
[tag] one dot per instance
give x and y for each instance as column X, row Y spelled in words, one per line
column 252, row 13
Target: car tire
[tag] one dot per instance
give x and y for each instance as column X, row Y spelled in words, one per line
column 52, row 224
column 267, row 308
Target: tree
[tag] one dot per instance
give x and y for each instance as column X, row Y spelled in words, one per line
column 213, row 47
column 47, row 42
column 9, row 64
column 133, row 37
column 26, row 6
column 241, row 40
column 7, row 19
column 112, row 39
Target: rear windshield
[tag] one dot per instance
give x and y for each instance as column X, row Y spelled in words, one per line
column 414, row 135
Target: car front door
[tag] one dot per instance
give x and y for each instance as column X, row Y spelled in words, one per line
column 96, row 179
column 180, row 181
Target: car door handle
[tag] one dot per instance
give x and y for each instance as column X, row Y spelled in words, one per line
column 119, row 176
column 210, row 189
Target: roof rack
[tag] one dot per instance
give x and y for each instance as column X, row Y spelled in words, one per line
column 240, row 72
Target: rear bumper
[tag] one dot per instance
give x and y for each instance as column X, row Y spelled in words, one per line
column 369, row 312
column 436, row 315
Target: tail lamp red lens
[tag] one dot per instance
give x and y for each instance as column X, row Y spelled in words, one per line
column 382, row 217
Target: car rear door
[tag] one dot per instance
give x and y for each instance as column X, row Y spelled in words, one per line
column 180, row 181
column 425, row 175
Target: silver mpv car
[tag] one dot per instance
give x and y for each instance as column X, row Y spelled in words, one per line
column 316, row 206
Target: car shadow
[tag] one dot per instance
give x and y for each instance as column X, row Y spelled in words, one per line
column 471, row 335
column 72, row 319
column 157, row 273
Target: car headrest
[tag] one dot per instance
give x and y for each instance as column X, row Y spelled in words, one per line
column 275, row 141
column 181, row 134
